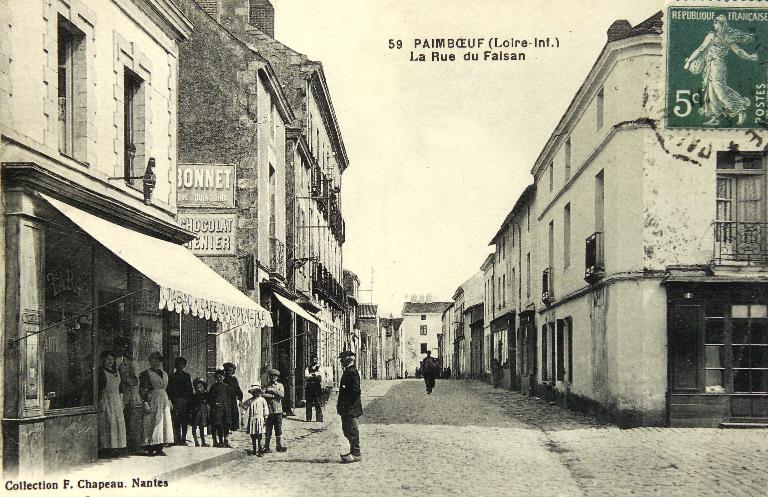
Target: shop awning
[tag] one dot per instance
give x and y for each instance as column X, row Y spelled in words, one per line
column 297, row 309
column 186, row 283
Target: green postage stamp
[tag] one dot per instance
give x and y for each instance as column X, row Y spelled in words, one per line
column 717, row 67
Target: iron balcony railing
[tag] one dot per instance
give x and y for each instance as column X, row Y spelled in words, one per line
column 741, row 242
column 594, row 263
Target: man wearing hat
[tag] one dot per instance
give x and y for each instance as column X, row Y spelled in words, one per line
column 274, row 394
column 349, row 406
column 429, row 370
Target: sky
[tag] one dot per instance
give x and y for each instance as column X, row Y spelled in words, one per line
column 440, row 151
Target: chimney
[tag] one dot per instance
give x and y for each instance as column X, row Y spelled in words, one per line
column 413, row 298
column 618, row 30
column 429, row 298
column 262, row 16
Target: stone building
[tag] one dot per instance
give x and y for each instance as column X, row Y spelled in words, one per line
column 94, row 260
column 422, row 323
column 393, row 363
column 648, row 240
column 468, row 296
column 371, row 337
column 446, row 343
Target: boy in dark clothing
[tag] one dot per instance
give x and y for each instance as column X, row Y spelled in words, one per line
column 235, row 395
column 180, row 392
column 220, row 415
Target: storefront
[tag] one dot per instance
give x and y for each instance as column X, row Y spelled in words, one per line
column 718, row 351
column 80, row 284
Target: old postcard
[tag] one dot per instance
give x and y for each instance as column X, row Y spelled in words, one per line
column 338, row 247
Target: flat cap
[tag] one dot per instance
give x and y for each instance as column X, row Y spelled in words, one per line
column 274, row 372
column 346, row 353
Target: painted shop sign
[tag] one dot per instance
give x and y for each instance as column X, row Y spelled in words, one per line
column 716, row 59
column 215, row 232
column 205, row 185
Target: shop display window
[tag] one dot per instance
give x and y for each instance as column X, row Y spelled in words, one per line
column 68, row 342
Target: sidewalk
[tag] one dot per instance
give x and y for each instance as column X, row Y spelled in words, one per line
column 184, row 461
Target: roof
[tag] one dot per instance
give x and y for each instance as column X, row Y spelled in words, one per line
column 425, row 307
column 367, row 311
column 488, row 262
column 395, row 322
column 619, row 30
column 521, row 200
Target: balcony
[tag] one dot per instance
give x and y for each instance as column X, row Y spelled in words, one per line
column 547, row 286
column 326, row 285
column 740, row 243
column 276, row 256
column 594, row 264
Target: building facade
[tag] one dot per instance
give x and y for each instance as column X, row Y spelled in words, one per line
column 393, row 363
column 371, row 336
column 422, row 323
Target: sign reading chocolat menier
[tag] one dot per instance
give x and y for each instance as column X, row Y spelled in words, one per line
column 205, row 185
column 215, row 232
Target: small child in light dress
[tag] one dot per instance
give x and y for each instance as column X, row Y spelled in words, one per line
column 256, row 412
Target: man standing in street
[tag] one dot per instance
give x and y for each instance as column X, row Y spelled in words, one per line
column 349, row 406
column 312, row 387
column 429, row 371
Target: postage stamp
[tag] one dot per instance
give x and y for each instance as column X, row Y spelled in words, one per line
column 717, row 72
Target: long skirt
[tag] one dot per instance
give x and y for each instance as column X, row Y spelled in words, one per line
column 157, row 423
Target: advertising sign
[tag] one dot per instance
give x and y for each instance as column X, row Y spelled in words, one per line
column 205, row 185
column 716, row 67
column 215, row 232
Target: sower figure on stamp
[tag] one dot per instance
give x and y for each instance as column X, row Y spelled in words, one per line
column 349, row 406
column 312, row 387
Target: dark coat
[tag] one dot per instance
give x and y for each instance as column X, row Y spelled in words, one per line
column 349, row 403
column 235, row 397
column 219, row 401
column 179, row 386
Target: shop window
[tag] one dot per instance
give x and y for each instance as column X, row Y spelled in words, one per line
column 68, row 341
column 750, row 348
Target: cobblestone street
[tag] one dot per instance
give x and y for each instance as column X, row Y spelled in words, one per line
column 470, row 439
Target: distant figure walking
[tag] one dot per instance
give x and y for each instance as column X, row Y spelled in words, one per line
column 349, row 406
column 429, row 370
column 312, row 387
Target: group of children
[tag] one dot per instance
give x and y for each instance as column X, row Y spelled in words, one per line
column 218, row 408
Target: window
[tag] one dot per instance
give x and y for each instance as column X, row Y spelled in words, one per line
column 133, row 128
column 423, row 330
column 599, row 104
column 272, row 121
column 560, row 352
column 528, row 218
column 544, row 355
column 551, row 239
column 423, row 317
column 528, row 275
column 551, row 176
column 503, row 290
column 424, row 348
column 71, row 89
column 567, row 235
column 750, row 348
column 568, row 159
column 599, row 200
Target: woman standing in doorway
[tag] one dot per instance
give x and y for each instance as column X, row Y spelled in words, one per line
column 111, row 419
column 157, row 427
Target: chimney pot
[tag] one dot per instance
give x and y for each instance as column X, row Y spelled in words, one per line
column 619, row 29
column 262, row 16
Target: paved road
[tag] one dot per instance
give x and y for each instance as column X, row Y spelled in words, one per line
column 469, row 439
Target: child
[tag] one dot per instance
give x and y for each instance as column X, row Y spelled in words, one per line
column 220, row 418
column 198, row 410
column 256, row 411
column 274, row 393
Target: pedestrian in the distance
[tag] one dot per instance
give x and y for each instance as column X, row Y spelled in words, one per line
column 257, row 411
column 180, row 392
column 235, row 395
column 312, row 387
column 199, row 410
column 429, row 371
column 274, row 393
column 349, row 406
column 221, row 417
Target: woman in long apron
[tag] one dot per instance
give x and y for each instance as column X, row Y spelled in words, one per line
column 111, row 419
column 157, row 426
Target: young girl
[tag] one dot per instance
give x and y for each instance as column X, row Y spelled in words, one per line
column 256, row 411
column 220, row 417
column 198, row 410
